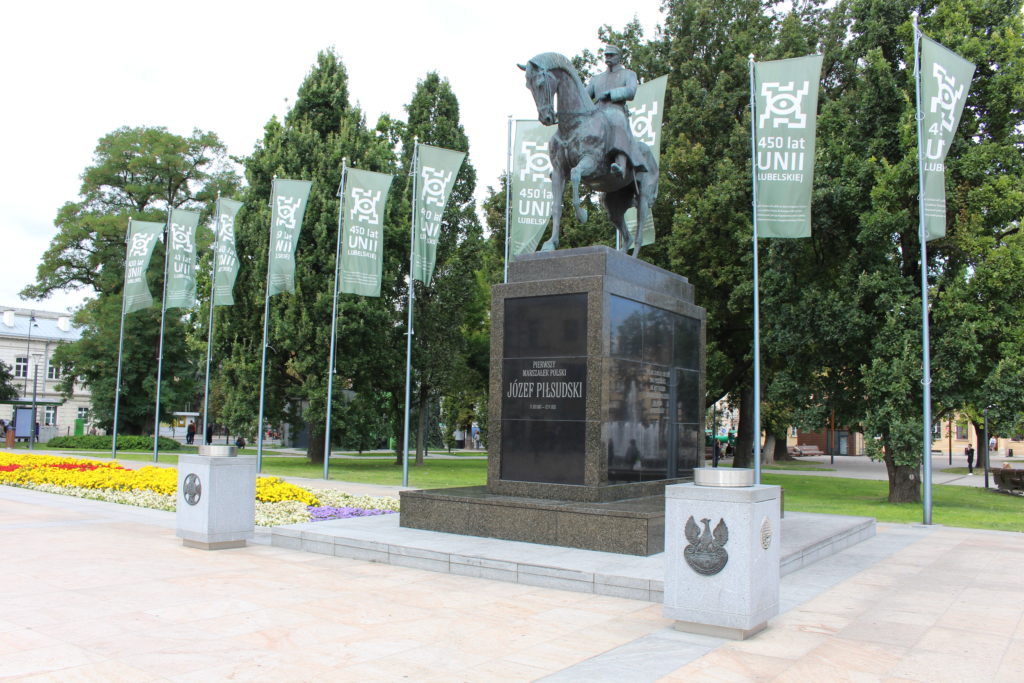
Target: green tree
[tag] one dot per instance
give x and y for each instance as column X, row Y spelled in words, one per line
column 7, row 389
column 703, row 212
column 136, row 173
column 320, row 131
column 846, row 305
column 448, row 315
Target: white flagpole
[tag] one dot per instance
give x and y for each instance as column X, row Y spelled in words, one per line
column 508, row 195
column 160, row 356
column 334, row 320
column 209, row 329
column 120, row 345
column 926, row 381
column 266, row 320
column 757, row 303
column 409, row 331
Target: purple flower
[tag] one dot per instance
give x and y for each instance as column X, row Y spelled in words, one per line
column 321, row 513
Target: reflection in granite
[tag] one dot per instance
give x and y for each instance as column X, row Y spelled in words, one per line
column 687, row 343
column 654, row 402
column 548, row 451
column 545, row 326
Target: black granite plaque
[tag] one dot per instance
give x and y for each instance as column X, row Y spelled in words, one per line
column 654, row 400
column 546, row 326
column 543, row 400
column 544, row 389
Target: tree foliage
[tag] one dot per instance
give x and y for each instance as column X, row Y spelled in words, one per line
column 320, row 132
column 136, row 173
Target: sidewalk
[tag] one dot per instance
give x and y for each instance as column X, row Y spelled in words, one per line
column 98, row 591
column 863, row 467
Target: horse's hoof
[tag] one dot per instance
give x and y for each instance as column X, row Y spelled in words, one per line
column 581, row 215
column 550, row 245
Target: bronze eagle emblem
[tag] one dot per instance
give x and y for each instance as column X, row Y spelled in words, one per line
column 706, row 552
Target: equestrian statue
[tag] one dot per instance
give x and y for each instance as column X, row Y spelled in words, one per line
column 594, row 143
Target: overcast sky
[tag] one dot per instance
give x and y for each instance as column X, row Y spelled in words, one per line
column 73, row 72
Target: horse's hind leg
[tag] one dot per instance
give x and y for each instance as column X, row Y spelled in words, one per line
column 616, row 204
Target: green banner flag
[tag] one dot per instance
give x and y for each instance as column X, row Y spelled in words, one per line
column 287, row 207
column 436, row 169
column 646, row 112
column 142, row 236
column 362, row 239
column 531, row 198
column 785, row 94
column 181, row 259
column 945, row 79
column 225, row 257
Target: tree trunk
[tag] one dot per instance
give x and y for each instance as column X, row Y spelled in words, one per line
column 904, row 480
column 315, row 449
column 768, row 452
column 745, row 431
column 421, row 431
column 781, row 451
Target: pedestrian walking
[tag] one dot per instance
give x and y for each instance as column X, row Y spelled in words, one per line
column 969, row 452
column 190, row 433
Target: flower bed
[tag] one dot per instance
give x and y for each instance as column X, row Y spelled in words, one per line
column 277, row 501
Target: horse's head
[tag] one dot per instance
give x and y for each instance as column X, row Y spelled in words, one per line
column 542, row 85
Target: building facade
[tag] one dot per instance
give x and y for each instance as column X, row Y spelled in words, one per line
column 28, row 339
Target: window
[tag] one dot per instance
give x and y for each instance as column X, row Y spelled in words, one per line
column 50, row 415
column 961, row 432
column 52, row 372
column 83, row 413
column 21, row 366
column 794, row 432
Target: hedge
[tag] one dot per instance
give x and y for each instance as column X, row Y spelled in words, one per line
column 96, row 442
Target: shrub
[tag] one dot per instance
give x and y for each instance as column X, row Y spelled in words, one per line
column 95, row 442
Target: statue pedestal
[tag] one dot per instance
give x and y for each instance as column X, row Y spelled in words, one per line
column 216, row 506
column 596, row 401
column 734, row 600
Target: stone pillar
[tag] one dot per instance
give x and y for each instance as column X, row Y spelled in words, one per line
column 216, row 506
column 722, row 555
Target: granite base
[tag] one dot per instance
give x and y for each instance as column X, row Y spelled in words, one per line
column 630, row 527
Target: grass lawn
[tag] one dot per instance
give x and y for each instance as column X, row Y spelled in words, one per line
column 434, row 474
column 798, row 465
column 962, row 506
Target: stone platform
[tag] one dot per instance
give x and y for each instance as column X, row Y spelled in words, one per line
column 634, row 526
column 805, row 538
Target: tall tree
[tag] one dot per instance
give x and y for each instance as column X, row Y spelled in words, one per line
column 447, row 316
column 705, row 177
column 847, row 305
column 136, row 173
column 321, row 130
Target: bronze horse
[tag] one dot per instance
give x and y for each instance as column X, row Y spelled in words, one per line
column 581, row 150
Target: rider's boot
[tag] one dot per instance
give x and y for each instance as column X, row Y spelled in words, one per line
column 618, row 168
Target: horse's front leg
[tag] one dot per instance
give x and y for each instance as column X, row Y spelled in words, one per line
column 557, row 191
column 583, row 169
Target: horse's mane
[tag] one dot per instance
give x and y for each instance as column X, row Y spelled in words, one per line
column 553, row 60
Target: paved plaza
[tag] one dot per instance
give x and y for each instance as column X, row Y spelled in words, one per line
column 93, row 591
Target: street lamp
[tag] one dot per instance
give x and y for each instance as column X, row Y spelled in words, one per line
column 35, row 379
column 28, row 347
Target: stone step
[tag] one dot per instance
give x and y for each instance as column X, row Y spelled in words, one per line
column 805, row 537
